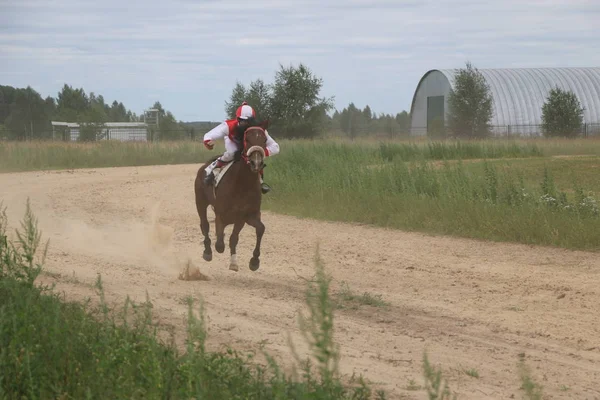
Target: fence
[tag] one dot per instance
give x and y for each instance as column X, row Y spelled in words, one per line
column 147, row 134
column 530, row 130
column 121, row 131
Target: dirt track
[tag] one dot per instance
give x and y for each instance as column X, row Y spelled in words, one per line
column 470, row 304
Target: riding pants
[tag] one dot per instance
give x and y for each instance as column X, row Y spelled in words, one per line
column 230, row 148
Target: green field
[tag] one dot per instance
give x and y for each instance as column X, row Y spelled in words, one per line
column 506, row 191
column 34, row 156
column 534, row 191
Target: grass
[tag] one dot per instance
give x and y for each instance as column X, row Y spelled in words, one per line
column 33, row 156
column 518, row 201
column 346, row 297
column 502, row 190
column 472, row 373
column 50, row 348
column 532, row 389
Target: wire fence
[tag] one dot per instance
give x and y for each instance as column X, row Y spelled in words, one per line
column 148, row 134
column 525, row 130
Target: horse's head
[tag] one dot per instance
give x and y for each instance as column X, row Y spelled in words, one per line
column 255, row 143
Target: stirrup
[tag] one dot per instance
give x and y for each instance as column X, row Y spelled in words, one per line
column 265, row 188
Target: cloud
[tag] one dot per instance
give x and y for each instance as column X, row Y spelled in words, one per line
column 189, row 54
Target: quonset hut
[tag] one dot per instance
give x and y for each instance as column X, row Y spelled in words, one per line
column 517, row 95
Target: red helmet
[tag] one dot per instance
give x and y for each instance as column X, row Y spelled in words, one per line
column 245, row 111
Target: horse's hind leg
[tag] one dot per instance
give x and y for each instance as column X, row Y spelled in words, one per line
column 260, row 230
column 233, row 241
column 220, row 230
column 205, row 228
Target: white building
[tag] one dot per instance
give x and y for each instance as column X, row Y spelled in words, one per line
column 123, row 131
column 517, row 97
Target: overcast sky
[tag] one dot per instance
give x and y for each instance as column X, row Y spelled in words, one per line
column 188, row 54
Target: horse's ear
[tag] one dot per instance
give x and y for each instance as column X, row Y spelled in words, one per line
column 264, row 124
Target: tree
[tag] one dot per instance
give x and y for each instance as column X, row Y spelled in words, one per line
column 292, row 103
column 562, row 114
column 353, row 120
column 403, row 120
column 258, row 95
column 470, row 104
column 297, row 110
column 238, row 95
column 25, row 115
column 71, row 102
column 368, row 115
column 28, row 117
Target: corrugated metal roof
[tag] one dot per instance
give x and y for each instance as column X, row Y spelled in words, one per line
column 519, row 93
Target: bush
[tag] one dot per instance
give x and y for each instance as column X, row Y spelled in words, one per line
column 562, row 114
column 470, row 104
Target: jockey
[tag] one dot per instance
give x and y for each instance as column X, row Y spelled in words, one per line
column 232, row 132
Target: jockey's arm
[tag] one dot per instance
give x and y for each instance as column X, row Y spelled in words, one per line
column 218, row 132
column 272, row 145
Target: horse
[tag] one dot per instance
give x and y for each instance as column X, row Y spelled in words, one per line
column 236, row 199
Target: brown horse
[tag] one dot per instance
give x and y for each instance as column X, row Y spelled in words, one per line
column 236, row 199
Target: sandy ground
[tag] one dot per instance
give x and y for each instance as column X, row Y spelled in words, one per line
column 472, row 305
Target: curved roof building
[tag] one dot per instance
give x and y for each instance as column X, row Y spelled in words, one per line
column 517, row 95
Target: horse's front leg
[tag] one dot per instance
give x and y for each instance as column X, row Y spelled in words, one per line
column 233, row 241
column 260, row 230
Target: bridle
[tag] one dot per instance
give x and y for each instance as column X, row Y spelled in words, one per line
column 247, row 151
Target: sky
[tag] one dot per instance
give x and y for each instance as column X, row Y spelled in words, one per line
column 189, row 54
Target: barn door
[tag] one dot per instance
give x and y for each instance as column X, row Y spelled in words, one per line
column 435, row 113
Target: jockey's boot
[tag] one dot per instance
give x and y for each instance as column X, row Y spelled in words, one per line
column 210, row 171
column 263, row 186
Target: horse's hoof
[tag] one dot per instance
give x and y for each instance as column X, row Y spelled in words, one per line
column 234, row 267
column 220, row 247
column 207, row 256
column 254, row 264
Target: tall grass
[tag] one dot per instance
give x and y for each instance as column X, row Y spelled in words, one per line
column 446, row 198
column 50, row 348
column 549, row 146
column 481, row 189
column 28, row 156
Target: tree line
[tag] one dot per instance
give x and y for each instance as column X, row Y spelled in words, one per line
column 292, row 103
column 25, row 115
column 294, row 106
